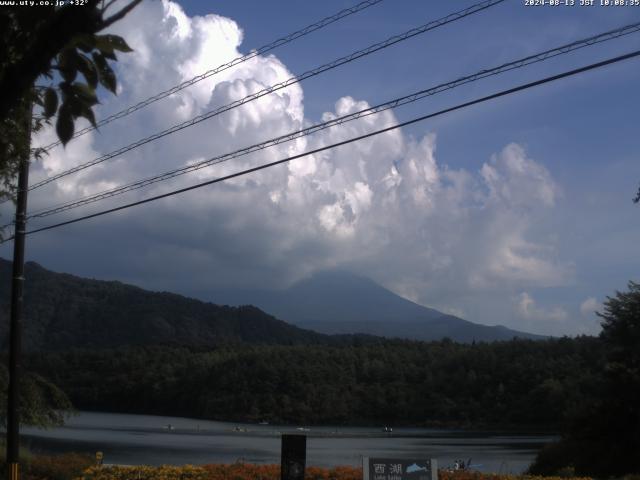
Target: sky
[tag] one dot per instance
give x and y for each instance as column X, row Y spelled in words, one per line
column 516, row 212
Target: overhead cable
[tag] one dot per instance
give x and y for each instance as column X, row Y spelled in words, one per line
column 236, row 61
column 529, row 60
column 273, row 88
column 502, row 93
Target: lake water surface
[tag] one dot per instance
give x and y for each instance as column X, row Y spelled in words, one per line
column 155, row 440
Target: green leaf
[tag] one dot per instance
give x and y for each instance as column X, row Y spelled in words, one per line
column 66, row 91
column 103, row 44
column 109, row 43
column 87, row 113
column 50, row 102
column 107, row 77
column 99, row 61
column 84, row 42
column 80, row 109
column 120, row 44
column 85, row 93
column 110, row 55
column 64, row 59
column 68, row 74
column 64, row 125
column 75, row 106
column 68, row 64
column 89, row 70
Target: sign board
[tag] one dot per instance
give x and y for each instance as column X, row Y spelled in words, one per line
column 399, row 469
column 293, row 457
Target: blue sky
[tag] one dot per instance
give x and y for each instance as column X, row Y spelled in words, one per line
column 549, row 173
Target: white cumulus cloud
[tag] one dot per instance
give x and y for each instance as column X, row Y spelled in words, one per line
column 528, row 309
column 589, row 307
column 387, row 207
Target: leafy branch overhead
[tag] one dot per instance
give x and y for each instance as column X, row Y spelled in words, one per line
column 52, row 42
column 86, row 55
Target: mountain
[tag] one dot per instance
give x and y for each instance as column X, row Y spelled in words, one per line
column 63, row 311
column 339, row 302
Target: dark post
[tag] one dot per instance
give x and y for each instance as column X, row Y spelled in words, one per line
column 15, row 326
column 293, row 457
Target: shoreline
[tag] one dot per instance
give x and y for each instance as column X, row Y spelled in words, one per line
column 436, row 426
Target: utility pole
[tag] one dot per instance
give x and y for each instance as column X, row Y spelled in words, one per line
column 15, row 326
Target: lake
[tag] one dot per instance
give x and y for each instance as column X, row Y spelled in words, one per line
column 155, row 440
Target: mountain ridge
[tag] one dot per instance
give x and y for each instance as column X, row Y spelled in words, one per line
column 325, row 303
column 70, row 311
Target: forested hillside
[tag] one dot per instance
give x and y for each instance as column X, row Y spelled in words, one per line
column 517, row 383
column 64, row 311
column 115, row 347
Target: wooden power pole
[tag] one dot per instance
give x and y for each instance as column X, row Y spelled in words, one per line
column 15, row 325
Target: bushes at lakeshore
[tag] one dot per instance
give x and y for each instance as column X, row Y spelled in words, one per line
column 246, row 471
column 73, row 466
column 67, row 466
column 238, row 471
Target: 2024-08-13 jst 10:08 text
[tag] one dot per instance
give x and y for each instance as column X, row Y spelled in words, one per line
column 582, row 3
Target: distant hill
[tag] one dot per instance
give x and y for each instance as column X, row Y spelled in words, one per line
column 339, row 302
column 64, row 311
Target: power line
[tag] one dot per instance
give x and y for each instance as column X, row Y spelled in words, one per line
column 291, row 81
column 236, row 61
column 345, row 142
column 539, row 57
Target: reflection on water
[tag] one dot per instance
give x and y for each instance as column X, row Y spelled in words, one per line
column 155, row 440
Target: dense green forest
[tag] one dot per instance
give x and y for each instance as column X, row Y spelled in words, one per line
column 587, row 388
column 159, row 353
column 516, row 383
column 601, row 436
column 63, row 311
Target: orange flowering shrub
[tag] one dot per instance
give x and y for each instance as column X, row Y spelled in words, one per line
column 249, row 471
column 55, row 467
column 165, row 472
column 237, row 471
column 242, row 471
column 337, row 473
column 470, row 475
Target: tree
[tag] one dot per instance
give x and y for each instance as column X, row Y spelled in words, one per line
column 603, row 438
column 42, row 404
column 43, row 50
column 620, row 403
column 54, row 43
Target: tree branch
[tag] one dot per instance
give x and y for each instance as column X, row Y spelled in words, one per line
column 108, row 5
column 48, row 39
column 118, row 16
